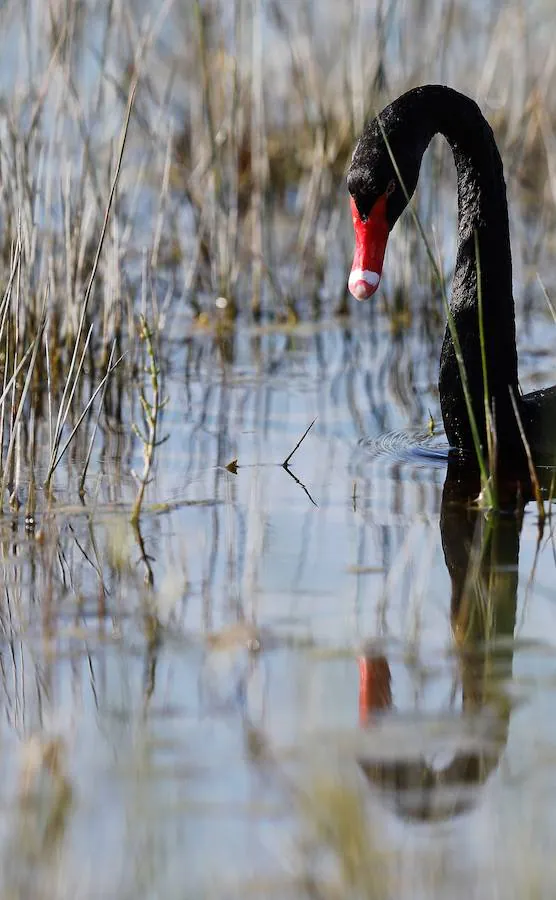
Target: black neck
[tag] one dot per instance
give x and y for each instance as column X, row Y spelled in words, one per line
column 482, row 211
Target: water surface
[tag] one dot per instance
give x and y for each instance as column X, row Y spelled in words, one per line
column 304, row 657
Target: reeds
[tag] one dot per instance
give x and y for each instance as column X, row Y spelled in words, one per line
column 229, row 178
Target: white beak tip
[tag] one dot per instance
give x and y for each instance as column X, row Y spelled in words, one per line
column 362, row 283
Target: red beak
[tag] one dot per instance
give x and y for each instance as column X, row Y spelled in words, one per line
column 370, row 246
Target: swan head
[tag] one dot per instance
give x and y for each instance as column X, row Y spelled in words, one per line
column 381, row 180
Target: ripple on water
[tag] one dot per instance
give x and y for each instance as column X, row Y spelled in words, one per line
column 415, row 446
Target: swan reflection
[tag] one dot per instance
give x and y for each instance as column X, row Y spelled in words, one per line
column 481, row 554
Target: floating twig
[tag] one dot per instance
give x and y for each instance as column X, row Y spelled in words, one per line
column 300, row 441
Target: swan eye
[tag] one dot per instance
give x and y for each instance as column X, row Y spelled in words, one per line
column 391, row 188
column 362, row 216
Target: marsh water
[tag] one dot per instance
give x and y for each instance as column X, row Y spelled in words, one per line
column 342, row 677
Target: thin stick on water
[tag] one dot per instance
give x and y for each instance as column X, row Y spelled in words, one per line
column 300, row 441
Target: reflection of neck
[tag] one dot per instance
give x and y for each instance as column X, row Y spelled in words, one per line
column 481, row 556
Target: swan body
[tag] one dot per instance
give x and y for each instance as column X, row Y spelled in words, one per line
column 380, row 192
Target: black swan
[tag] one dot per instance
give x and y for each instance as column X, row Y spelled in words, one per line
column 377, row 201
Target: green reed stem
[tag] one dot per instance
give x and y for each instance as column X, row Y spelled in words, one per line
column 151, row 410
column 489, row 423
column 532, row 471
